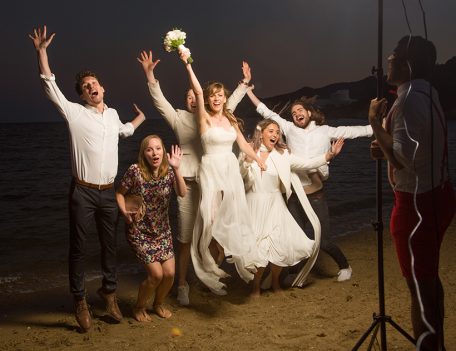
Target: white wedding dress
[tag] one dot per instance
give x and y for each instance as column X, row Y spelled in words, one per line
column 222, row 213
column 279, row 238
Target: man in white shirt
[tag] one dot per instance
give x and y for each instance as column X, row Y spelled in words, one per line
column 94, row 131
column 309, row 136
column 414, row 140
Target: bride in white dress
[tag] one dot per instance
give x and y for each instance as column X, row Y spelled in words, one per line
column 280, row 240
column 222, row 215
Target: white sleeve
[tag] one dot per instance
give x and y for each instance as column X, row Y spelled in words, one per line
column 67, row 109
column 236, row 97
column 350, row 132
column 305, row 164
column 267, row 113
column 162, row 105
column 126, row 129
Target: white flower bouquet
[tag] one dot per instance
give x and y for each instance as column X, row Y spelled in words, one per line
column 175, row 40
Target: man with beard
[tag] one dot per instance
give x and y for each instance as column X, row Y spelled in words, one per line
column 309, row 136
column 94, row 131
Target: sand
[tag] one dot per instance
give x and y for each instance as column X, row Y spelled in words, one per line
column 324, row 315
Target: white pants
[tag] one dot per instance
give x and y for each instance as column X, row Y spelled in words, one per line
column 187, row 208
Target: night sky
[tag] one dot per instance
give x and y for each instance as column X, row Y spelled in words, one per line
column 289, row 44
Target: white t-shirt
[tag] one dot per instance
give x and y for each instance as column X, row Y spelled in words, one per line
column 413, row 143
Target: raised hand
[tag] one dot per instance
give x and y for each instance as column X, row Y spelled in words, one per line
column 261, row 164
column 174, row 158
column 246, row 72
column 146, row 60
column 39, row 38
column 139, row 117
column 138, row 112
column 336, row 146
column 377, row 110
column 184, row 55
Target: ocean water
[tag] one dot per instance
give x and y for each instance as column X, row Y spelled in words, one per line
column 35, row 178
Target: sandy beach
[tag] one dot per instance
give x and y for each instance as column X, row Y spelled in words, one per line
column 324, row 315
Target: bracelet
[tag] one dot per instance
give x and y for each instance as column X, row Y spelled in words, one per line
column 245, row 83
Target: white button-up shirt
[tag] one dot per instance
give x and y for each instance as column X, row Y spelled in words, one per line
column 94, row 136
column 313, row 140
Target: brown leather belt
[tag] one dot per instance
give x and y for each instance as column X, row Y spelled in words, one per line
column 94, row 186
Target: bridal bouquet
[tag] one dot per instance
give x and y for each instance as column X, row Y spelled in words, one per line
column 175, row 40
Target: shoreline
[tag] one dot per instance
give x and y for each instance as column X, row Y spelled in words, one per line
column 324, row 315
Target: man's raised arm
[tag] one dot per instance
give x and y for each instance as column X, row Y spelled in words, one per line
column 41, row 42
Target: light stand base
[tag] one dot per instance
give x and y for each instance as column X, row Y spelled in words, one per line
column 380, row 322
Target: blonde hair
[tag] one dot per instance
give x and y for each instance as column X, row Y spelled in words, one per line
column 146, row 170
column 280, row 146
column 214, row 87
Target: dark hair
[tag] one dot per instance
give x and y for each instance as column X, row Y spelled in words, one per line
column 316, row 114
column 186, row 92
column 79, row 78
column 421, row 55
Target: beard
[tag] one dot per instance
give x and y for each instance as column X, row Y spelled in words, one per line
column 303, row 124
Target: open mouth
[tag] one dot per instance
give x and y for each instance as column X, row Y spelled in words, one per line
column 94, row 93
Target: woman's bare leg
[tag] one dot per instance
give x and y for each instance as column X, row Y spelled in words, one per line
column 256, row 290
column 275, row 270
column 168, row 268
column 146, row 290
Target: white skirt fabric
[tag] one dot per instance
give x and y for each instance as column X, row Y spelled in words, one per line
column 222, row 214
column 279, row 239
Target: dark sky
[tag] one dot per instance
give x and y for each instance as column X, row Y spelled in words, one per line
column 288, row 43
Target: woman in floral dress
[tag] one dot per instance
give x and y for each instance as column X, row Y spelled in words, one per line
column 148, row 231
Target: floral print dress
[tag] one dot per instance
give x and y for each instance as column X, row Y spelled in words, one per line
column 150, row 237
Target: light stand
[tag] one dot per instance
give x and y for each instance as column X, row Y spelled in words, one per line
column 380, row 319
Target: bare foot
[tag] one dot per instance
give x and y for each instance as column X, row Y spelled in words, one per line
column 161, row 311
column 141, row 315
column 255, row 294
column 277, row 290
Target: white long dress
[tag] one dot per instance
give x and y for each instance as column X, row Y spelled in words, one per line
column 279, row 239
column 222, row 213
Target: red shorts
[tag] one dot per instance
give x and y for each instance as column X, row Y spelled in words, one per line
column 437, row 208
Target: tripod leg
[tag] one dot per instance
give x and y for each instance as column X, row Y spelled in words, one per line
column 374, row 334
column 402, row 331
column 366, row 334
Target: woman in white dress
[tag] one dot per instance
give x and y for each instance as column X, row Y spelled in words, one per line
column 280, row 240
column 222, row 215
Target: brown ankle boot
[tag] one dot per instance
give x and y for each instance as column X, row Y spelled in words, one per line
column 82, row 314
column 112, row 308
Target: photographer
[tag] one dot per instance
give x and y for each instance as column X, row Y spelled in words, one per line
column 414, row 141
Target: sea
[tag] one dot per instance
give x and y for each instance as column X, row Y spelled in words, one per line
column 35, row 178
